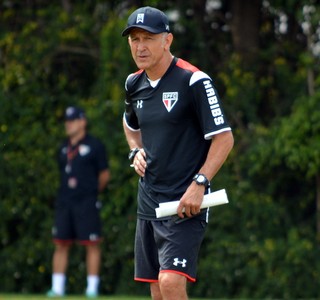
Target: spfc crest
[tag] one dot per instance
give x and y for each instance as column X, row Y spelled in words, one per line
column 84, row 150
column 169, row 100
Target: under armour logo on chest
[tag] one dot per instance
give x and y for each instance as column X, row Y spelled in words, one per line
column 139, row 103
column 177, row 262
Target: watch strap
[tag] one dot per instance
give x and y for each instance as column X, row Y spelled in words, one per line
column 133, row 153
column 205, row 181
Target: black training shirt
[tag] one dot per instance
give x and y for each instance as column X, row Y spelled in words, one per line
column 177, row 119
column 79, row 174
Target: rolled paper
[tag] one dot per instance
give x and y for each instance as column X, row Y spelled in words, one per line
column 166, row 209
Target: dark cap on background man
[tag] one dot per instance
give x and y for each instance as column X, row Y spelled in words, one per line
column 73, row 113
column 148, row 18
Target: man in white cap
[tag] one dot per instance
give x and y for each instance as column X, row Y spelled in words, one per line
column 179, row 138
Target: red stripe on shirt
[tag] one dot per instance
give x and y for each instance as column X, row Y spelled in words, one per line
column 187, row 66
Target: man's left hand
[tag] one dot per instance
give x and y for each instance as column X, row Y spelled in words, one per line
column 191, row 200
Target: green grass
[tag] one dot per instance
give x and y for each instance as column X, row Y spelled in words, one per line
column 72, row 297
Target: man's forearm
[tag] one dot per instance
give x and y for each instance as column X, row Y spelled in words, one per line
column 104, row 178
column 133, row 137
column 220, row 148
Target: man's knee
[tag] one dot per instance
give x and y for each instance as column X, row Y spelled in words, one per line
column 62, row 247
column 93, row 249
column 170, row 282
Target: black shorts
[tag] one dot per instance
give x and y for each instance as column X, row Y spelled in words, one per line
column 77, row 221
column 168, row 246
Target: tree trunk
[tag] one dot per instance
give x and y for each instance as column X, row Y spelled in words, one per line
column 66, row 5
column 245, row 25
column 311, row 92
column 318, row 206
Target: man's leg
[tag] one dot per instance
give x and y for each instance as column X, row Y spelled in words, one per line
column 173, row 286
column 60, row 258
column 59, row 265
column 178, row 254
column 93, row 267
column 155, row 291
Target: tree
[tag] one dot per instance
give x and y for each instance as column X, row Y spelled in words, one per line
column 245, row 28
column 71, row 52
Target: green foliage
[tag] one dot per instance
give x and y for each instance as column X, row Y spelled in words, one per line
column 261, row 260
column 258, row 245
column 301, row 133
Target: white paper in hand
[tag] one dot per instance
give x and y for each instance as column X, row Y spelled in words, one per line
column 170, row 208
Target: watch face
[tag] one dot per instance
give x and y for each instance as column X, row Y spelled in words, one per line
column 201, row 179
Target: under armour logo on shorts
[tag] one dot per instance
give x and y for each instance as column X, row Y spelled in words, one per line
column 139, row 103
column 177, row 262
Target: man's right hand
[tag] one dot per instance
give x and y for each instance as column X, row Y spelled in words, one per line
column 139, row 162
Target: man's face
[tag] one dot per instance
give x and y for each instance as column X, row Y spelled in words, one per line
column 74, row 127
column 147, row 49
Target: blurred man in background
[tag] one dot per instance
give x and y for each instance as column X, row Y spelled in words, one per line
column 84, row 173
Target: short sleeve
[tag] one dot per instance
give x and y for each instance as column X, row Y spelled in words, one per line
column 208, row 105
column 129, row 116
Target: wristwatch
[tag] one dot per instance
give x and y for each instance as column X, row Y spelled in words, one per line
column 201, row 179
column 133, row 153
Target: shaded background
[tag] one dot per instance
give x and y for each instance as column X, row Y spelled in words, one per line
column 264, row 58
